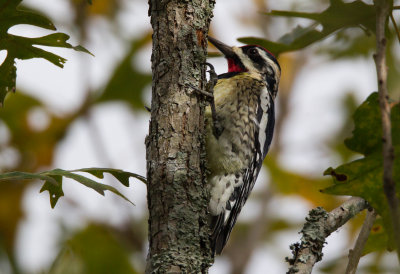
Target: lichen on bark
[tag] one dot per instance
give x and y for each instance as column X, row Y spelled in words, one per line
column 177, row 196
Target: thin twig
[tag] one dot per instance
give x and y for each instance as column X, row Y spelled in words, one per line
column 320, row 224
column 356, row 252
column 395, row 26
column 389, row 187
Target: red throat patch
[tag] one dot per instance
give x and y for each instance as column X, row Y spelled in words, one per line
column 234, row 67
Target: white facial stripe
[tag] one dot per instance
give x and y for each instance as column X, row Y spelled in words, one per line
column 248, row 63
column 264, row 55
column 245, row 59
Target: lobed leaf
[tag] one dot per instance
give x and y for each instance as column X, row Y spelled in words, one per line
column 350, row 44
column 367, row 133
column 120, row 175
column 337, row 16
column 55, row 190
column 12, row 16
column 53, row 180
column 17, row 175
column 23, row 48
column 378, row 238
column 364, row 177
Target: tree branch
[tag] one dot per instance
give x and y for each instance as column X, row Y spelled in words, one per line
column 395, row 26
column 356, row 252
column 383, row 8
column 320, row 224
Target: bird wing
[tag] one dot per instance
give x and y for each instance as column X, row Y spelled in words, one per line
column 222, row 224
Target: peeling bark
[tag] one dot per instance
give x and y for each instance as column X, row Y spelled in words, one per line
column 177, row 196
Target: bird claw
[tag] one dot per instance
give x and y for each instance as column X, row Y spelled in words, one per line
column 217, row 128
column 213, row 76
column 208, row 91
column 209, row 94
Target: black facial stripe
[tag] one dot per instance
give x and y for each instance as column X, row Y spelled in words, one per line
column 258, row 60
column 271, row 57
column 270, row 81
column 252, row 53
column 246, row 50
column 238, row 62
column 272, row 85
column 265, row 67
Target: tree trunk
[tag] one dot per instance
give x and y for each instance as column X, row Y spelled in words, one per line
column 177, row 196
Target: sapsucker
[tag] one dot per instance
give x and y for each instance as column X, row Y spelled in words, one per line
column 244, row 114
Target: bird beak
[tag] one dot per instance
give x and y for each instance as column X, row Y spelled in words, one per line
column 225, row 49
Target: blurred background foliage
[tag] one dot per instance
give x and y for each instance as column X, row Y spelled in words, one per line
column 31, row 132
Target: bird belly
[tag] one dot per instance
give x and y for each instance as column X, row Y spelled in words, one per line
column 230, row 154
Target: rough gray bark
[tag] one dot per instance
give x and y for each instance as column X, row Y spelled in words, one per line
column 320, row 224
column 177, row 197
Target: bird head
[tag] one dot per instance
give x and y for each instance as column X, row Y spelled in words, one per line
column 253, row 59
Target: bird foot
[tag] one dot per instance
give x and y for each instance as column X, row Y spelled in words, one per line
column 209, row 95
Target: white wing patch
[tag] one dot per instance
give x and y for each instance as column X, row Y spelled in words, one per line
column 222, row 187
column 265, row 105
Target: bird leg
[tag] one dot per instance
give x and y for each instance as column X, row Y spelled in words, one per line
column 217, row 127
column 209, row 94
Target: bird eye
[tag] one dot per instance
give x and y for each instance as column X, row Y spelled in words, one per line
column 253, row 51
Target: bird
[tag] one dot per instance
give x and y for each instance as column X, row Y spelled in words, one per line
column 239, row 129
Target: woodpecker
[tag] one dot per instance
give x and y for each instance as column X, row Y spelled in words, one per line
column 243, row 110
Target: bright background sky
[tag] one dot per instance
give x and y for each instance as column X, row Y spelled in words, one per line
column 315, row 115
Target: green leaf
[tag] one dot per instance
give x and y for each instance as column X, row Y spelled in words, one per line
column 23, row 48
column 337, row 16
column 55, row 190
column 127, row 83
column 378, row 238
column 290, row 183
column 53, row 180
column 364, row 177
column 98, row 187
column 367, row 133
column 56, row 40
column 17, row 175
column 274, row 47
column 53, row 183
column 120, row 175
column 8, row 75
column 96, row 249
column 11, row 16
column 350, row 44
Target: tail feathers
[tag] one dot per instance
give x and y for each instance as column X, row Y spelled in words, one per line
column 221, row 228
column 218, row 237
column 232, row 201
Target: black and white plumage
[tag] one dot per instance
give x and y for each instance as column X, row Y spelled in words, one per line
column 244, row 106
